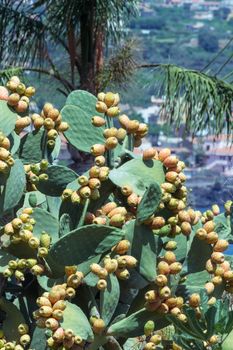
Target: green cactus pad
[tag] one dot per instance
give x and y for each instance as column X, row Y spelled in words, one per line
column 223, row 227
column 149, row 203
column 65, row 225
column 30, row 150
column 59, row 177
column 78, row 111
column 45, row 222
column 15, row 142
column 109, row 298
column 133, row 326
column 14, row 187
column 81, row 244
column 47, row 283
column 75, row 319
column 85, row 100
column 200, row 249
column 143, row 248
column 138, row 174
column 39, row 339
column 13, row 318
column 8, row 118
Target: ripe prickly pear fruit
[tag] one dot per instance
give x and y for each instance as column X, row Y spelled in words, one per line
column 165, row 292
column 148, row 154
column 101, row 96
column 20, row 89
column 221, row 245
column 109, row 99
column 100, row 160
column 4, row 94
column 98, row 121
column 217, row 257
column 117, row 220
column 123, row 119
column 213, row 340
column 111, row 265
column 121, row 134
column 209, row 287
column 201, row 234
column 163, row 268
column 161, row 280
column 45, row 239
column 194, row 300
column 169, row 257
column 149, row 328
column 97, row 150
column 98, row 326
column 38, row 122
column 13, row 99
column 23, row 328
column 164, row 153
column 45, row 311
column 175, row 268
column 43, row 301
column 133, row 200
column 170, row 162
column 122, row 247
column 59, row 305
column 30, row 91
column 101, row 107
column 122, row 274
column 101, row 284
column 59, row 335
column 111, row 143
column 113, row 112
column 151, row 296
column 85, row 192
column 70, row 292
column 21, row 106
column 156, row 339
column 186, row 228
column 211, row 238
column 51, row 323
column 170, row 245
column 209, row 226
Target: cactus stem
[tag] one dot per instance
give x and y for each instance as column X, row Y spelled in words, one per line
column 81, row 221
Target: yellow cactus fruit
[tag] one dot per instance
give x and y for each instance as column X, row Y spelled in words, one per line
column 161, row 280
column 98, row 121
column 194, row 300
column 101, row 96
column 148, row 154
column 97, row 150
column 98, row 326
column 101, row 107
column 101, row 284
column 221, row 245
column 111, row 143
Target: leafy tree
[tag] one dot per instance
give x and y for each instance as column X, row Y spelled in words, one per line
column 208, row 40
column 63, row 39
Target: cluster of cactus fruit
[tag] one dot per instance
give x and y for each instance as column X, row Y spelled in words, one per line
column 114, row 258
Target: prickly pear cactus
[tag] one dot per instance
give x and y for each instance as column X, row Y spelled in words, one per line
column 110, row 259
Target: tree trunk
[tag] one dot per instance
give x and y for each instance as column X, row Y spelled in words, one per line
column 92, row 48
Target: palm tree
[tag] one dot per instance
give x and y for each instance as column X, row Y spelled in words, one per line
column 63, row 39
column 202, row 100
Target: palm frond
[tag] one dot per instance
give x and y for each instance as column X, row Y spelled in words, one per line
column 22, row 35
column 7, row 73
column 201, row 101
